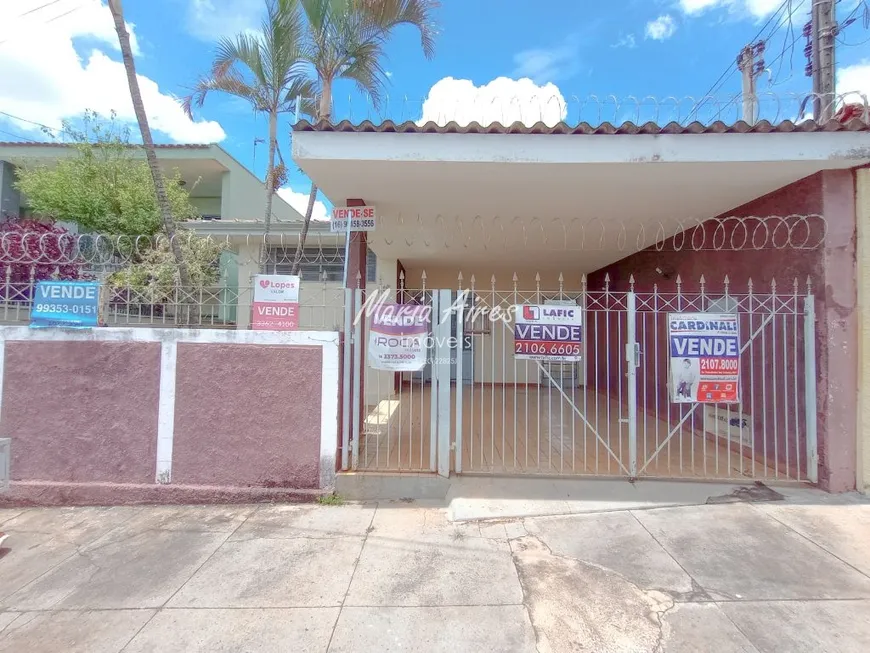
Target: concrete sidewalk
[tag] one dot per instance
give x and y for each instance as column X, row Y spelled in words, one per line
column 789, row 576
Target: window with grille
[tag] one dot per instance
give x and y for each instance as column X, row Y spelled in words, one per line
column 317, row 262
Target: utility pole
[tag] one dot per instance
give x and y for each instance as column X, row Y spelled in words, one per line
column 823, row 40
column 750, row 69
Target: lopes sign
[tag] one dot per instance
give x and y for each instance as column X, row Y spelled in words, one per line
column 548, row 332
column 705, row 358
column 65, row 304
column 398, row 337
column 276, row 302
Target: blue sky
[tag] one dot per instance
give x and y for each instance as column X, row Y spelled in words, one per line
column 568, row 50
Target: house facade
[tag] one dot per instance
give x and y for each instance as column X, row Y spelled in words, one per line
column 632, row 224
column 220, row 187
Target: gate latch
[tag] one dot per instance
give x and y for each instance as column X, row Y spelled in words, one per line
column 632, row 353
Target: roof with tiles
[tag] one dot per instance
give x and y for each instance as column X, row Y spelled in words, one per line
column 164, row 146
column 718, row 127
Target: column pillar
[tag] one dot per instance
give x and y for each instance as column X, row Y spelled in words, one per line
column 837, row 346
column 862, row 205
column 356, row 278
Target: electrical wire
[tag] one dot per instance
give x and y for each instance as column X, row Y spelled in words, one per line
column 852, row 17
column 24, row 138
column 35, row 9
column 50, row 20
column 729, row 72
column 38, row 124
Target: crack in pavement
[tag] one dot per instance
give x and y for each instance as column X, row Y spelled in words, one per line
column 577, row 605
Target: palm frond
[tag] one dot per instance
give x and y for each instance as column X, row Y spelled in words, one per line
column 389, row 14
column 304, row 91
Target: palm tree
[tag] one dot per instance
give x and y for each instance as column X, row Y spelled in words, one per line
column 147, row 140
column 346, row 40
column 267, row 71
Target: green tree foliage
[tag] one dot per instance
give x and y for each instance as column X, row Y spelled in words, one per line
column 104, row 185
column 153, row 278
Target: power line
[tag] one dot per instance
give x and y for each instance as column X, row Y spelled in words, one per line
column 23, row 138
column 730, row 70
column 50, row 20
column 38, row 124
column 35, row 9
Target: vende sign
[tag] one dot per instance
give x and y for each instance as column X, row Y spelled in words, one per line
column 276, row 302
column 362, row 218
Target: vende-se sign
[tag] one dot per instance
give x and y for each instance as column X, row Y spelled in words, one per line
column 362, row 218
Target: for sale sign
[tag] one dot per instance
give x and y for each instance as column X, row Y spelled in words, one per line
column 548, row 332
column 704, row 357
column 73, row 304
column 276, row 302
column 362, row 218
column 399, row 337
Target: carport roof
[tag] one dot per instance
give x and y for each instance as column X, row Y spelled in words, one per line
column 584, row 128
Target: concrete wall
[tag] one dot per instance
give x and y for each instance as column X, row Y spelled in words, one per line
column 135, row 415
column 10, row 198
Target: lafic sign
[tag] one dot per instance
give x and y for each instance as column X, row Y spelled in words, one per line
column 73, row 304
column 398, row 337
column 276, row 302
column 704, row 358
column 548, row 332
column 362, row 218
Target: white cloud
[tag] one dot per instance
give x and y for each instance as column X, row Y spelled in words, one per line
column 208, row 22
column 45, row 80
column 662, row 28
column 299, row 201
column 853, row 81
column 547, row 65
column 754, row 8
column 627, row 41
column 502, row 100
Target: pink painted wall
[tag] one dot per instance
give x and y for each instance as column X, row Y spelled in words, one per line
column 831, row 269
column 83, row 418
column 247, row 415
column 81, row 411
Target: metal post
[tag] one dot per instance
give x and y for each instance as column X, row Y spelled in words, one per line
column 632, row 360
column 442, row 353
column 460, row 385
column 359, row 361
column 435, row 377
column 347, row 371
column 810, row 388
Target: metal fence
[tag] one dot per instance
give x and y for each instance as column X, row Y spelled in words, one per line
column 475, row 408
column 321, row 306
column 486, row 106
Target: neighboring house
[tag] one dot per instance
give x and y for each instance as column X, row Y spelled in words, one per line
column 322, row 269
column 220, row 187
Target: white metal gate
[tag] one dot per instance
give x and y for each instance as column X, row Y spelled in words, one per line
column 611, row 414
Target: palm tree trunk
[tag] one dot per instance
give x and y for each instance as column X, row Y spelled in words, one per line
column 147, row 141
column 270, row 183
column 323, row 114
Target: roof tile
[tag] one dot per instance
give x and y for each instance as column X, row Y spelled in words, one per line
column 627, row 128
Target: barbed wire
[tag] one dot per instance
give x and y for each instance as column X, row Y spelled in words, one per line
column 486, row 109
column 102, row 252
